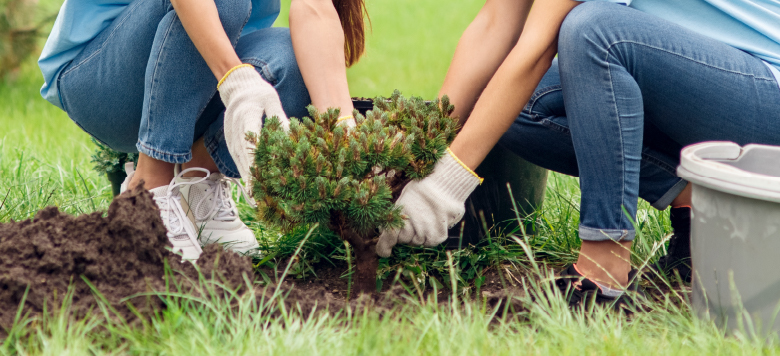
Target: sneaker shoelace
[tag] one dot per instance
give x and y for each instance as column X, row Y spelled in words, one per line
column 223, row 208
column 170, row 206
column 244, row 190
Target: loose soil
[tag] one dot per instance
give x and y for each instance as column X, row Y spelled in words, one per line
column 124, row 254
column 121, row 254
column 329, row 289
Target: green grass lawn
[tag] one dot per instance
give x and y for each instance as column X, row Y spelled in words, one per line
column 45, row 160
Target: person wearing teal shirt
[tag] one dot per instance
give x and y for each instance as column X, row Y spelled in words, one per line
column 609, row 91
column 182, row 82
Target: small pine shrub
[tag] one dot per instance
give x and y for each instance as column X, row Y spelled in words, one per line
column 108, row 161
column 347, row 180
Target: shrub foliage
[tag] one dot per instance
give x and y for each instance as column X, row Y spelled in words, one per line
column 348, row 179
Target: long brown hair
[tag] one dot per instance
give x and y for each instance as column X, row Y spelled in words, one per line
column 353, row 16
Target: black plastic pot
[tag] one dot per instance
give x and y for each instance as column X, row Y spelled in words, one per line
column 116, row 179
column 363, row 105
column 491, row 199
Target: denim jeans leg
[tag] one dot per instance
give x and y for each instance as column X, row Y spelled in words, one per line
column 270, row 51
column 541, row 136
column 103, row 89
column 622, row 70
column 179, row 84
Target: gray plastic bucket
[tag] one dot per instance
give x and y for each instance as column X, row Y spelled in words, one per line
column 735, row 233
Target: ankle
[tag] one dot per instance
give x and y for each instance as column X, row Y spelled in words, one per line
column 150, row 181
column 614, row 277
column 196, row 173
column 201, row 158
column 154, row 173
column 606, row 262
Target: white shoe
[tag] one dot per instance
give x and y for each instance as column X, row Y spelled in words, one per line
column 214, row 213
column 130, row 171
column 181, row 233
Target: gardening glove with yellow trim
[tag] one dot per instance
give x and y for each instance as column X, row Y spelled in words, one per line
column 432, row 205
column 347, row 120
column 248, row 100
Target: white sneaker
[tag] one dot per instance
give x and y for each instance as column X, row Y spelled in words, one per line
column 181, row 233
column 130, row 171
column 214, row 213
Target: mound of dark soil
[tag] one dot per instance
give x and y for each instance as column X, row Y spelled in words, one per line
column 121, row 254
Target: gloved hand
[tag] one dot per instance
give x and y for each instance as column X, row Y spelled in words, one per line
column 247, row 97
column 431, row 205
column 347, row 120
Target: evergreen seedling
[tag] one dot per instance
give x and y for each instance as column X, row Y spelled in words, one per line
column 347, row 179
column 112, row 164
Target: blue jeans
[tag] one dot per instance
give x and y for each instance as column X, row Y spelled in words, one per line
column 141, row 85
column 627, row 92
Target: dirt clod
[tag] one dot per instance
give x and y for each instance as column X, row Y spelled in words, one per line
column 121, row 254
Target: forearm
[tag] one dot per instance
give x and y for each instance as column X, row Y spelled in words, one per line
column 318, row 42
column 498, row 106
column 201, row 21
column 513, row 83
column 481, row 50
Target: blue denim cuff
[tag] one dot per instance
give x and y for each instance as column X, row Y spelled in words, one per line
column 214, row 140
column 163, row 156
column 595, row 234
column 665, row 200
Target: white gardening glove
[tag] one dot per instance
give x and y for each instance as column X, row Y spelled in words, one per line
column 347, row 121
column 248, row 99
column 431, row 205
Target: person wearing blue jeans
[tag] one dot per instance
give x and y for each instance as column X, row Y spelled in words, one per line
column 630, row 87
column 182, row 82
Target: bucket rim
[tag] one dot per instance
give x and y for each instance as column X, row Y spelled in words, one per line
column 702, row 164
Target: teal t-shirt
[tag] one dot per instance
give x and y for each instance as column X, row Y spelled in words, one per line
column 752, row 26
column 80, row 21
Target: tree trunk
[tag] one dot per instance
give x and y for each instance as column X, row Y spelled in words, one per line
column 366, row 262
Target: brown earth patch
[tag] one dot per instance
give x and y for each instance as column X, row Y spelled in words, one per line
column 121, row 254
column 328, row 290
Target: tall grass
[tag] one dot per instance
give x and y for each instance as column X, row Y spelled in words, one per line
column 223, row 322
column 44, row 160
column 44, row 156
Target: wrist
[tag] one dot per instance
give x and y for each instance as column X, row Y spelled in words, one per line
column 464, row 165
column 224, row 65
column 455, row 178
column 344, row 118
column 235, row 69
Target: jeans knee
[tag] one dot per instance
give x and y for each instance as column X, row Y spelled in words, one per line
column 233, row 14
column 286, row 65
column 586, row 26
column 270, row 51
